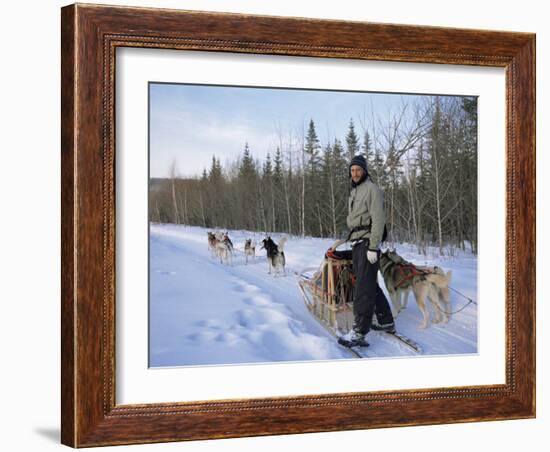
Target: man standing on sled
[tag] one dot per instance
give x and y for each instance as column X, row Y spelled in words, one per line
column 366, row 220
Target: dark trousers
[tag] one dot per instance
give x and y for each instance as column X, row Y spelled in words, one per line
column 368, row 297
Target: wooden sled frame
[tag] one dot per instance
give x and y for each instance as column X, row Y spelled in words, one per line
column 329, row 299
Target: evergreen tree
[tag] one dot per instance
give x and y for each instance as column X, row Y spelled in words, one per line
column 279, row 192
column 268, row 189
column 215, row 174
column 312, row 196
column 267, row 168
column 216, row 193
column 329, row 193
column 352, row 141
column 247, row 188
column 367, row 147
column 278, row 169
column 374, row 160
column 312, row 148
column 341, row 182
column 204, row 200
column 469, row 106
column 247, row 168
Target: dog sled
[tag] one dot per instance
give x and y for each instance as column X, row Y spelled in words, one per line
column 328, row 292
column 328, row 295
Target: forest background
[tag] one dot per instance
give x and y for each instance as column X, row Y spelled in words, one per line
column 423, row 155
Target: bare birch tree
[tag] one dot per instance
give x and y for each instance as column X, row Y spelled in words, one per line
column 173, row 177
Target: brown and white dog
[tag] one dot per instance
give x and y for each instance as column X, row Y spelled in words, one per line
column 249, row 249
column 220, row 245
column 432, row 283
column 275, row 254
column 212, row 241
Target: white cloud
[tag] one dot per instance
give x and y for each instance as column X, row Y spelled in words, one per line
column 192, row 140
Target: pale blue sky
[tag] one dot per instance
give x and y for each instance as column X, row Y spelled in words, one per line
column 190, row 123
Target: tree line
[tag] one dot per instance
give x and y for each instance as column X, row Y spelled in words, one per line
column 423, row 157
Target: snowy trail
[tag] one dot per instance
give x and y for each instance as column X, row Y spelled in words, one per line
column 203, row 312
column 239, row 316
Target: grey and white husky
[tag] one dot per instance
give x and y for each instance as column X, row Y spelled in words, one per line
column 432, row 283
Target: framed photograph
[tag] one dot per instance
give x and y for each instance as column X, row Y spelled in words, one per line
column 282, row 225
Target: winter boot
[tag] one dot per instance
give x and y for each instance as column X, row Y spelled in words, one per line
column 386, row 327
column 353, row 339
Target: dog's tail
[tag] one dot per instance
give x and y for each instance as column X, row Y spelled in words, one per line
column 440, row 279
column 440, row 271
column 281, row 244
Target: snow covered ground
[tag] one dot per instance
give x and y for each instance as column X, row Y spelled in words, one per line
column 203, row 312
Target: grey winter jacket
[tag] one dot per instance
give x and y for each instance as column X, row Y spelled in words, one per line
column 366, row 207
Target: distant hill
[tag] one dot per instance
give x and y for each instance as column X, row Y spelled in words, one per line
column 156, row 183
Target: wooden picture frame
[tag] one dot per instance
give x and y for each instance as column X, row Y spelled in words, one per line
column 90, row 36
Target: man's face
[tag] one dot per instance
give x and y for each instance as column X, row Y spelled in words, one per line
column 356, row 173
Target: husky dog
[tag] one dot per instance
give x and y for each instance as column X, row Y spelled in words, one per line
column 212, row 241
column 223, row 251
column 275, row 253
column 227, row 241
column 249, row 249
column 432, row 283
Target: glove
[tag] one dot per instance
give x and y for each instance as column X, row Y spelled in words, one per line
column 330, row 253
column 372, row 256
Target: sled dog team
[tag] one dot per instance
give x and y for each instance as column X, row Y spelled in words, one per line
column 400, row 277
column 221, row 246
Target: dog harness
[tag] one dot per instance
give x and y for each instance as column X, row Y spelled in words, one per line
column 407, row 271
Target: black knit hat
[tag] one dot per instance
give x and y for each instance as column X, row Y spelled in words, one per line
column 358, row 160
